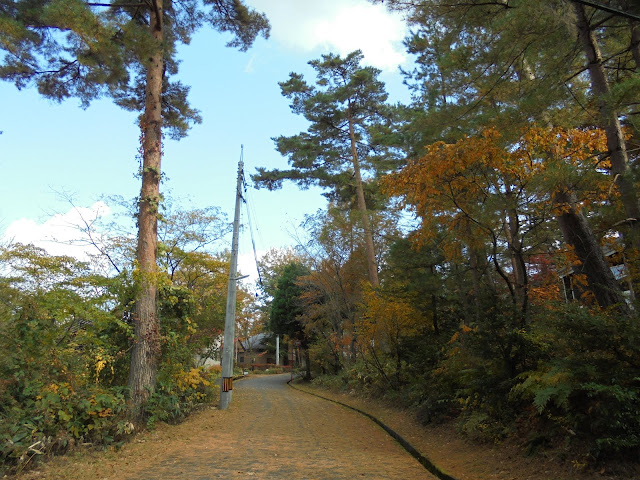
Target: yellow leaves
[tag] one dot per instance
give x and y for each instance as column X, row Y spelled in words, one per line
column 576, row 148
column 100, row 364
column 452, row 184
column 102, row 359
column 155, row 277
column 544, row 295
column 191, row 326
column 191, row 379
column 385, row 320
column 64, row 390
column 107, row 412
column 52, row 387
column 458, row 336
column 97, row 409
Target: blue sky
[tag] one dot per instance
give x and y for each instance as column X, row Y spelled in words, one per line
column 47, row 148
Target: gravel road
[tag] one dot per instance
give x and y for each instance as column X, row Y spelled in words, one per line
column 271, row 431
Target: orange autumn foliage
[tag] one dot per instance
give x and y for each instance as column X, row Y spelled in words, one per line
column 481, row 191
column 446, row 187
column 464, row 187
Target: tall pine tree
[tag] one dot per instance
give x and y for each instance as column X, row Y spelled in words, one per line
column 126, row 50
column 345, row 104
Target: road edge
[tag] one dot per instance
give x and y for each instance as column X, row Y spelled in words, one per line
column 424, row 461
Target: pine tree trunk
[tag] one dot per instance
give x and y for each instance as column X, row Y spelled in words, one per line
column 610, row 122
column 146, row 347
column 593, row 264
column 372, row 265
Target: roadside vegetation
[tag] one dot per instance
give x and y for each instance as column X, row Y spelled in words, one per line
column 503, row 207
column 66, row 335
column 478, row 259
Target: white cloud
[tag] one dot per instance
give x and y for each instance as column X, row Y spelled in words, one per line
column 339, row 26
column 60, row 234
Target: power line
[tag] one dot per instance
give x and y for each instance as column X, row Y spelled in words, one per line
column 249, row 206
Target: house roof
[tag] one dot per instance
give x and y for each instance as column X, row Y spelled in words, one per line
column 255, row 342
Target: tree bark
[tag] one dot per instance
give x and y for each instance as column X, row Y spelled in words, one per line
column 593, row 264
column 610, row 122
column 574, row 226
column 307, row 361
column 372, row 265
column 634, row 26
column 146, row 347
column 521, row 279
column 434, row 306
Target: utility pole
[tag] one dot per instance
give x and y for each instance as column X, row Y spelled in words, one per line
column 230, row 319
column 277, row 349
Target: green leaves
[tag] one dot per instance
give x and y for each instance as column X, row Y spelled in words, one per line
column 553, row 386
column 344, row 106
column 235, row 17
column 586, row 377
column 287, row 305
column 67, row 48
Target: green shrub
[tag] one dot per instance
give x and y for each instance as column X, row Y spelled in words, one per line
column 48, row 418
column 587, row 381
column 61, row 351
column 179, row 391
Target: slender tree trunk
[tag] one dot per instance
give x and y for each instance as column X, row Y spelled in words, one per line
column 434, row 306
column 362, row 206
column 477, row 265
column 146, row 347
column 307, row 361
column 634, row 26
column 611, row 123
column 517, row 259
column 476, row 284
column 593, row 264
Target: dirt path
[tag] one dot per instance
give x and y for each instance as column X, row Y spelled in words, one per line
column 270, row 431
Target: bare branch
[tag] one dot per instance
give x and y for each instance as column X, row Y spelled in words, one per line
column 605, row 8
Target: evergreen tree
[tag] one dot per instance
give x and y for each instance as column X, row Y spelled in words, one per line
column 509, row 64
column 609, row 117
column 286, row 308
column 73, row 48
column 337, row 150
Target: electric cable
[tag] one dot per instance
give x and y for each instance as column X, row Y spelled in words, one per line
column 248, row 206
